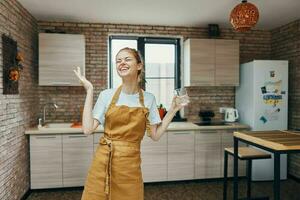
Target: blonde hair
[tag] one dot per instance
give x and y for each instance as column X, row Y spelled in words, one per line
column 136, row 54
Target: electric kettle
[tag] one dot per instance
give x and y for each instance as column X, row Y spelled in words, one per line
column 231, row 115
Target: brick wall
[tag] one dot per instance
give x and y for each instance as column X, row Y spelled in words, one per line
column 286, row 46
column 18, row 111
column 253, row 45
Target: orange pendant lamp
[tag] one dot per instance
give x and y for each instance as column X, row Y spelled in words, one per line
column 244, row 16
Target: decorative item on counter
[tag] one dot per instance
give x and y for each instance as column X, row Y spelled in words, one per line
column 244, row 16
column 162, row 111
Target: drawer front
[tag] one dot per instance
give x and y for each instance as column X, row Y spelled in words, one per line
column 45, row 161
column 181, row 155
column 77, row 157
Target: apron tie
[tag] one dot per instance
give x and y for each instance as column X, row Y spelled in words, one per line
column 106, row 141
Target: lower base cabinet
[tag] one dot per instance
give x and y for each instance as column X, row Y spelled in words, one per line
column 181, row 155
column 97, row 137
column 63, row 160
column 46, row 161
column 154, row 159
column 77, row 156
column 208, row 154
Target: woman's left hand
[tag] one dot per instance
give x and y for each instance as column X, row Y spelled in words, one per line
column 177, row 102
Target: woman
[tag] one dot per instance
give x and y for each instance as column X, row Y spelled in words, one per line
column 126, row 113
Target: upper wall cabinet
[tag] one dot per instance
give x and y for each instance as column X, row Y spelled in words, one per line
column 59, row 55
column 211, row 62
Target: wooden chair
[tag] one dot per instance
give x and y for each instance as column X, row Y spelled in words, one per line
column 244, row 153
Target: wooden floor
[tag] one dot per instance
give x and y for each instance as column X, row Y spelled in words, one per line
column 187, row 190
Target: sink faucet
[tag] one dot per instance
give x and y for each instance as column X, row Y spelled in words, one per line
column 44, row 108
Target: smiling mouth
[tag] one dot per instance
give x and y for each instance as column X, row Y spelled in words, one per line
column 124, row 69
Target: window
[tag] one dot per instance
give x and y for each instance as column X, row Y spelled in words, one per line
column 161, row 59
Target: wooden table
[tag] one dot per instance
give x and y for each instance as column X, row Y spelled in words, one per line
column 277, row 142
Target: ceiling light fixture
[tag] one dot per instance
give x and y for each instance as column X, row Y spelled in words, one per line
column 244, row 16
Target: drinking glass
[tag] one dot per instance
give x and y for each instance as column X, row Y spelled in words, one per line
column 183, row 98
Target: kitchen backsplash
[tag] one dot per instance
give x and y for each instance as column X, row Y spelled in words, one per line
column 253, row 44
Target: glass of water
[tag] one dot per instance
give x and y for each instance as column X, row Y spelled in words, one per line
column 182, row 96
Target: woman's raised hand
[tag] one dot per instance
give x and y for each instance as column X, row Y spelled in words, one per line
column 86, row 84
column 179, row 102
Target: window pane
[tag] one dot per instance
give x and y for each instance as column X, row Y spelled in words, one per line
column 162, row 89
column 160, row 72
column 116, row 45
column 159, row 60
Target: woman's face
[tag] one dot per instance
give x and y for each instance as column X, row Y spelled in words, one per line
column 127, row 65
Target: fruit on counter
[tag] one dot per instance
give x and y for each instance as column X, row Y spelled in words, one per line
column 162, row 111
column 76, row 125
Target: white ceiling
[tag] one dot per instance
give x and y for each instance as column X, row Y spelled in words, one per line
column 199, row 13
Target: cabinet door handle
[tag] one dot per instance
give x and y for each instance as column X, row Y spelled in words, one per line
column 181, row 133
column 77, row 136
column 207, row 131
column 44, row 137
column 60, row 83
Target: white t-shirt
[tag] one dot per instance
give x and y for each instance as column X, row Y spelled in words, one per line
column 130, row 100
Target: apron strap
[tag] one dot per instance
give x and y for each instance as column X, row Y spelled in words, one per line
column 115, row 97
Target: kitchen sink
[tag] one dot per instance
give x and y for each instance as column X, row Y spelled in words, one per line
column 57, row 125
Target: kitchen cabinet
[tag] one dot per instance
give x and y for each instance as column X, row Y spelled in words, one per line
column 208, row 154
column 227, row 63
column 227, row 141
column 181, row 151
column 46, row 161
column 59, row 55
column 63, row 159
column 154, row 159
column 77, row 157
column 96, row 140
column 211, row 62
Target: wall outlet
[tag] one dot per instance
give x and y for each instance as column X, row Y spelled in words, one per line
column 222, row 109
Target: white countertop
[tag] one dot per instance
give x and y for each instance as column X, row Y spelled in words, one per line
column 174, row 126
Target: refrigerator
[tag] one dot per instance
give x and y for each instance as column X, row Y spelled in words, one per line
column 262, row 102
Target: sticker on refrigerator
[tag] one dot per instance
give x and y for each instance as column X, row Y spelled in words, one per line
column 263, row 119
column 272, row 114
column 273, row 87
column 263, row 90
column 272, row 99
column 272, row 94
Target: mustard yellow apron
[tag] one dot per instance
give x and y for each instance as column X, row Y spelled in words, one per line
column 115, row 173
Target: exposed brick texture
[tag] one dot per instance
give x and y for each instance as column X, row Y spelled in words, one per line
column 253, row 45
column 286, row 46
column 19, row 111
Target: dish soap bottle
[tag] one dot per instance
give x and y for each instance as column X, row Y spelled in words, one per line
column 40, row 123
